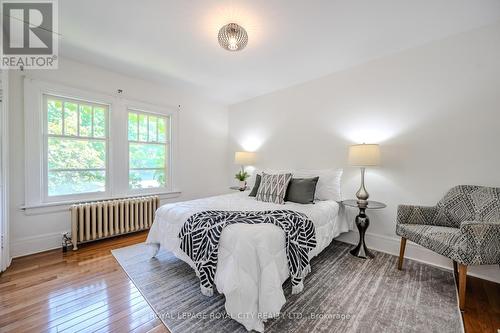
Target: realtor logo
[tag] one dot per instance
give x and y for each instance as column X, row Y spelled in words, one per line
column 29, row 34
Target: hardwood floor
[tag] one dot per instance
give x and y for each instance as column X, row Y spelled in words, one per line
column 82, row 291
column 482, row 306
column 87, row 291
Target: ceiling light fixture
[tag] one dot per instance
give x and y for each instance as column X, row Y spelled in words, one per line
column 233, row 37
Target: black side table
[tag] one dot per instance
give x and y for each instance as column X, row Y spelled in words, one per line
column 362, row 222
column 239, row 188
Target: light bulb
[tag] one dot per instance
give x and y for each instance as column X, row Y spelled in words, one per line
column 233, row 44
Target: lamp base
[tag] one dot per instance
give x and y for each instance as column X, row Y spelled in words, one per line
column 362, row 193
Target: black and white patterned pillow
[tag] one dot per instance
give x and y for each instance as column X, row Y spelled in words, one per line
column 273, row 187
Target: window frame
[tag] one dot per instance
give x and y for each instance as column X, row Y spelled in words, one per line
column 35, row 201
column 45, row 151
column 168, row 148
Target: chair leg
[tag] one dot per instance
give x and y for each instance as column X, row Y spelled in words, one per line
column 462, row 280
column 401, row 253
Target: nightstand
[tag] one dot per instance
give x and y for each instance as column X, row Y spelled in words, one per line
column 237, row 188
column 362, row 222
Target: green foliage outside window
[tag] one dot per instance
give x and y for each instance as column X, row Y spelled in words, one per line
column 76, row 149
column 148, row 151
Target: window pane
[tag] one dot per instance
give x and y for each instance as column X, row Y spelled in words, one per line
column 85, row 120
column 132, row 126
column 143, row 127
column 143, row 155
column 99, row 122
column 162, row 130
column 74, row 182
column 70, row 118
column 75, row 147
column 76, row 154
column 54, row 117
column 146, row 178
column 152, row 129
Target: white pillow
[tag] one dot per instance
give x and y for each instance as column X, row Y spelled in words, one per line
column 256, row 171
column 328, row 187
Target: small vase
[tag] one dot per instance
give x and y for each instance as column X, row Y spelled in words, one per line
column 243, row 185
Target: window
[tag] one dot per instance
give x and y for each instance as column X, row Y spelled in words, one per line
column 75, row 146
column 148, row 147
column 84, row 145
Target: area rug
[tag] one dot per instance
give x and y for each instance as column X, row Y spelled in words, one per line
column 342, row 294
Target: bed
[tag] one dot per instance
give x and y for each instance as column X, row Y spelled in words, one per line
column 252, row 263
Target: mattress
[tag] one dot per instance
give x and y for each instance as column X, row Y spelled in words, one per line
column 252, row 263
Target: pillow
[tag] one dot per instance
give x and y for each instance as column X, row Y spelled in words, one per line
column 258, row 172
column 301, row 190
column 253, row 193
column 273, row 187
column 328, row 187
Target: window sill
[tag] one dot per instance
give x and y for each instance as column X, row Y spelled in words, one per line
column 53, row 207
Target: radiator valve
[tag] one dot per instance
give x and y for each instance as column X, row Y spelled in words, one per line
column 66, row 241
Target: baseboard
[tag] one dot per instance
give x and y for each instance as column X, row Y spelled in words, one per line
column 416, row 252
column 35, row 244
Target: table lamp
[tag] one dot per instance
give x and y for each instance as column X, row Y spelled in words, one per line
column 364, row 155
column 244, row 158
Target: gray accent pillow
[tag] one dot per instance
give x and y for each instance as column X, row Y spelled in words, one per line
column 301, row 190
column 253, row 192
column 273, row 188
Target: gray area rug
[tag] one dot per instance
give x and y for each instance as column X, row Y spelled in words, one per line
column 342, row 294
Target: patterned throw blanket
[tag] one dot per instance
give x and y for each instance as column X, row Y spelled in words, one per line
column 201, row 233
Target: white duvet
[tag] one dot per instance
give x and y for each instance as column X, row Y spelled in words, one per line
column 252, row 263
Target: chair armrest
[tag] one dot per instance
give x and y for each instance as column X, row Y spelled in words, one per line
column 476, row 228
column 410, row 214
column 481, row 241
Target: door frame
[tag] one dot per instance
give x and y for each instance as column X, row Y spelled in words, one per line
column 5, row 258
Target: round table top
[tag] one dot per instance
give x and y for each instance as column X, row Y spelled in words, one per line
column 371, row 204
column 239, row 188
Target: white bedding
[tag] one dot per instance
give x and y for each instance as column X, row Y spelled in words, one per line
column 252, row 263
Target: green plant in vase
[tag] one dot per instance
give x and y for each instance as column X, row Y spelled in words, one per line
column 242, row 176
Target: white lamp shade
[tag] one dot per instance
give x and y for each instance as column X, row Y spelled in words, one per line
column 244, row 158
column 364, row 155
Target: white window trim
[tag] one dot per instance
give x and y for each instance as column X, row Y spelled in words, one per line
column 117, row 150
column 63, row 206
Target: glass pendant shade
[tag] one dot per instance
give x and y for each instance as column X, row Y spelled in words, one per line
column 233, row 37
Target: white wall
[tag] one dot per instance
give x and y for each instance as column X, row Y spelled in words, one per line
column 203, row 132
column 434, row 109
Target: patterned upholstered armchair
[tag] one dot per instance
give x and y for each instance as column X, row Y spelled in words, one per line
column 464, row 226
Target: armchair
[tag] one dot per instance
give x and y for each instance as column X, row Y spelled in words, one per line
column 464, row 226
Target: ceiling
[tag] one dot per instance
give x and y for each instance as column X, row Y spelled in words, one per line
column 290, row 41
